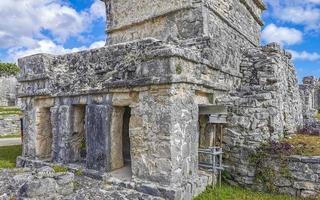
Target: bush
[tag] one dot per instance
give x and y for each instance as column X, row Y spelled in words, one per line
column 8, row 69
column 261, row 160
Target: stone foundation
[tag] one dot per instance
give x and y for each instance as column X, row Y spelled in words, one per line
column 111, row 178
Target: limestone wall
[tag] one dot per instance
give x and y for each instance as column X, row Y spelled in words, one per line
column 297, row 176
column 181, row 19
column 265, row 107
column 8, row 91
column 9, row 124
column 303, row 177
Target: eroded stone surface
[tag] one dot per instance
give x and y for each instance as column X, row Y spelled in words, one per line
column 44, row 183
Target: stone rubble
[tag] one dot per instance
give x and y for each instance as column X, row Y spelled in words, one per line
column 44, row 183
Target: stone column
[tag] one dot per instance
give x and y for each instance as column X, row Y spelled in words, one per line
column 29, row 133
column 164, row 137
column 61, row 130
column 117, row 160
column 98, row 131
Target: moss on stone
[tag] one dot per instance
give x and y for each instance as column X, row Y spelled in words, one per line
column 59, row 169
column 178, row 69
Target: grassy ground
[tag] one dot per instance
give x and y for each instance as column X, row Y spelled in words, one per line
column 16, row 135
column 9, row 110
column 8, row 156
column 305, row 145
column 227, row 192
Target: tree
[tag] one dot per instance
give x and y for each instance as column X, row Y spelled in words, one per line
column 8, row 69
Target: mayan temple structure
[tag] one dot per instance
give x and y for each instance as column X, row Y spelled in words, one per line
column 143, row 105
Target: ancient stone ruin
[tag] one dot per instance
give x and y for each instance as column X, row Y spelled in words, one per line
column 9, row 121
column 8, row 91
column 310, row 94
column 130, row 112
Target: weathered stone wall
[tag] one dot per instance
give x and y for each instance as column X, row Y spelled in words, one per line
column 9, row 124
column 8, row 90
column 295, row 175
column 139, row 63
column 181, row 19
column 265, row 107
column 221, row 30
column 302, row 177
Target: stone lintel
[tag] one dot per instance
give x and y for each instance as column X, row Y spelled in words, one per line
column 135, row 64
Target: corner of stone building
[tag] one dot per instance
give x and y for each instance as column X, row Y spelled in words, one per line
column 266, row 106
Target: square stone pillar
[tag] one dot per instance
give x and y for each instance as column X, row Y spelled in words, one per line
column 62, row 132
column 164, row 137
column 29, row 133
column 98, row 132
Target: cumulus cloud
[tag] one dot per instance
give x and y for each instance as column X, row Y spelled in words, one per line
column 97, row 9
column 24, row 22
column 281, row 35
column 304, row 55
column 306, row 12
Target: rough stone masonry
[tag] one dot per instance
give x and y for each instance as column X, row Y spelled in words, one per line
column 134, row 104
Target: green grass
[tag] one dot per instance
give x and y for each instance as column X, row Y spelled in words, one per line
column 9, row 110
column 305, row 145
column 227, row 192
column 8, row 156
column 16, row 135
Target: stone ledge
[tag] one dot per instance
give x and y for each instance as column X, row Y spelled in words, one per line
column 305, row 159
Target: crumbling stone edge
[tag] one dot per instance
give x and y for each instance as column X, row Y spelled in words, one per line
column 149, row 188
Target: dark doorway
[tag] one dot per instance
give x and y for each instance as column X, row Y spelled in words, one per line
column 78, row 139
column 126, row 136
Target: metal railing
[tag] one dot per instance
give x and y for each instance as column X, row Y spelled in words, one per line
column 214, row 163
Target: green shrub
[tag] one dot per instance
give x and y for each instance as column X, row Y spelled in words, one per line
column 7, row 69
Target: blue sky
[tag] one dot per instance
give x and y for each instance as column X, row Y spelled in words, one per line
column 62, row 26
column 296, row 25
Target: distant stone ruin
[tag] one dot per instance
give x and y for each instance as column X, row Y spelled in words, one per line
column 310, row 94
column 132, row 107
column 8, row 91
column 9, row 121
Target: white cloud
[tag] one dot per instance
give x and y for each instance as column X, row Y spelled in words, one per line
column 304, row 55
column 48, row 46
column 97, row 44
column 97, row 9
column 281, row 35
column 23, row 22
column 301, row 12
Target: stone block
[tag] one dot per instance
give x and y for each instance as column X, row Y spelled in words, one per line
column 98, row 132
